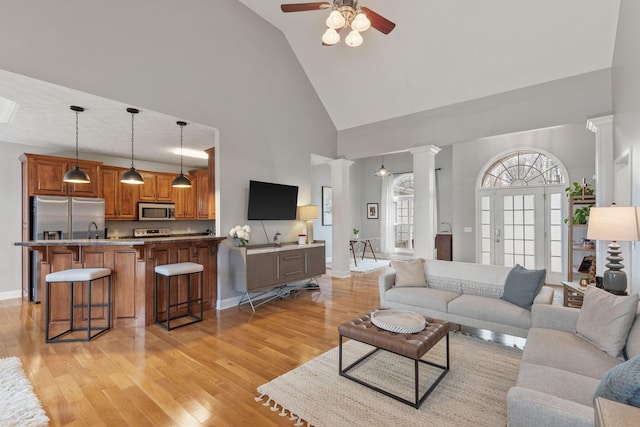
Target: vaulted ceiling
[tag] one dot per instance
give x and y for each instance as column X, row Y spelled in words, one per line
column 444, row 52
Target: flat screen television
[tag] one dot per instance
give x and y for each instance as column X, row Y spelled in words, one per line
column 272, row 201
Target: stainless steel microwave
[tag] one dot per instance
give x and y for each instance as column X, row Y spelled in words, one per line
column 156, row 211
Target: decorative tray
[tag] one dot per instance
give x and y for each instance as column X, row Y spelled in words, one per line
column 399, row 321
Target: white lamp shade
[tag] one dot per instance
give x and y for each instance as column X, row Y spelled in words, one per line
column 330, row 37
column 360, row 23
column 616, row 223
column 354, row 39
column 308, row 212
column 335, row 20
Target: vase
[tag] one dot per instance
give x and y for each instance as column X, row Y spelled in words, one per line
column 239, row 242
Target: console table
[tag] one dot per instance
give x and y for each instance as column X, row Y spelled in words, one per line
column 257, row 270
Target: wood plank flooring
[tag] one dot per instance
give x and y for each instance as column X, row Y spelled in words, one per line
column 203, row 374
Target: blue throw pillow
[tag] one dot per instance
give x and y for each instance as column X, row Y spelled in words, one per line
column 522, row 286
column 622, row 383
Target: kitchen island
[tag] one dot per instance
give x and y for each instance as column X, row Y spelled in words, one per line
column 132, row 263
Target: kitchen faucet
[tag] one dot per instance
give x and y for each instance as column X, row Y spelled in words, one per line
column 92, row 223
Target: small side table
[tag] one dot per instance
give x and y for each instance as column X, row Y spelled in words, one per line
column 573, row 294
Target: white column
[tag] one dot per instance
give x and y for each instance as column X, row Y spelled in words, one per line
column 340, row 202
column 424, row 200
column 603, row 128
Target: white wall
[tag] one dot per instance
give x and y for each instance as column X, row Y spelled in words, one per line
column 626, row 109
column 573, row 145
column 211, row 62
column 565, row 101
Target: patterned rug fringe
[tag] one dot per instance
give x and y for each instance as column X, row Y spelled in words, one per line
column 284, row 412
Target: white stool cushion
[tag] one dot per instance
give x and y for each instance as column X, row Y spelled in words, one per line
column 78, row 275
column 179, row 268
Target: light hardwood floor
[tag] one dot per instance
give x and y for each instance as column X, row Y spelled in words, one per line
column 203, row 374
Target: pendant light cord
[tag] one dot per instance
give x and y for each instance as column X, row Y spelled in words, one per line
column 77, row 114
column 132, row 116
column 181, row 128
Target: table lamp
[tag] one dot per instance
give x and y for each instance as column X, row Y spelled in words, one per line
column 308, row 213
column 617, row 224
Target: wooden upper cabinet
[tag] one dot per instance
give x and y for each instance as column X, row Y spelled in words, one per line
column 200, row 181
column 212, row 182
column 120, row 200
column 156, row 187
column 185, row 200
column 45, row 176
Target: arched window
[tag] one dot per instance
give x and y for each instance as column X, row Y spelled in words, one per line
column 522, row 168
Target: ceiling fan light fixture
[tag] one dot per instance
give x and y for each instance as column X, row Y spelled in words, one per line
column 361, row 22
column 335, row 20
column 354, row 39
column 330, row 37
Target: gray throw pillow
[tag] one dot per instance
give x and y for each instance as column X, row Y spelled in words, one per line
column 622, row 383
column 409, row 273
column 522, row 286
column 605, row 319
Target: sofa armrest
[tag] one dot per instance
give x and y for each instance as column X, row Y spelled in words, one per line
column 545, row 296
column 526, row 407
column 554, row 317
column 385, row 282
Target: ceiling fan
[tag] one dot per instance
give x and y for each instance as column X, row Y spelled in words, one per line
column 345, row 14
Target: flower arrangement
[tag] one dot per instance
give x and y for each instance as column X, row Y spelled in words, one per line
column 241, row 233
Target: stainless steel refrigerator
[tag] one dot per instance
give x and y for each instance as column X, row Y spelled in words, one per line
column 55, row 218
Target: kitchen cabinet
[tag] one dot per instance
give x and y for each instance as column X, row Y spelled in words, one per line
column 45, row 176
column 211, row 186
column 156, row 187
column 120, row 200
column 200, row 180
column 185, row 200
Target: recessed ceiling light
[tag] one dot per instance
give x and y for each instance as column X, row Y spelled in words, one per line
column 7, row 107
column 189, row 152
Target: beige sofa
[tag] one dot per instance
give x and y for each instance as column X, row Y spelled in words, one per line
column 463, row 293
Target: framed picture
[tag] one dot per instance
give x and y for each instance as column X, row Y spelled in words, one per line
column 327, row 209
column 372, row 211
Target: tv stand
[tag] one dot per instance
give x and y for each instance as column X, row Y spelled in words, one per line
column 259, row 270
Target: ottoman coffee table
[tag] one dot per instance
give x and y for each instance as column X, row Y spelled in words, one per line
column 410, row 345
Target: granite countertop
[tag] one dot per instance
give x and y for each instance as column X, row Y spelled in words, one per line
column 122, row 242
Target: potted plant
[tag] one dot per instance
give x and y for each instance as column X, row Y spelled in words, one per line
column 355, row 233
column 577, row 190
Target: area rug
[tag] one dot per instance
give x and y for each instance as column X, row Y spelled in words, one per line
column 19, row 406
column 473, row 393
column 367, row 264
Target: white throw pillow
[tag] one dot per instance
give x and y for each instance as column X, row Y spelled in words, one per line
column 605, row 319
column 409, row 273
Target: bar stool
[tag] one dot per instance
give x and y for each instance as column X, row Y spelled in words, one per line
column 72, row 276
column 179, row 269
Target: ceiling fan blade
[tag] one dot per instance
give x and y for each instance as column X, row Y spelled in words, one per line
column 301, row 7
column 379, row 22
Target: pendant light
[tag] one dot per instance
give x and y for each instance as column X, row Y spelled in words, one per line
column 382, row 171
column 76, row 175
column 132, row 176
column 181, row 181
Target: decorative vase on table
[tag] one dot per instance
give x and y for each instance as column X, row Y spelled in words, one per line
column 240, row 235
